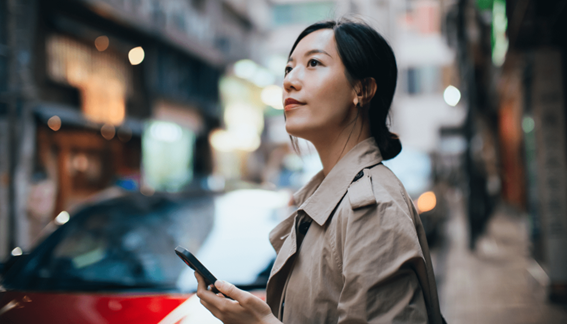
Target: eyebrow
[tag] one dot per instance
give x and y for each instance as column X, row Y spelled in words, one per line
column 313, row 51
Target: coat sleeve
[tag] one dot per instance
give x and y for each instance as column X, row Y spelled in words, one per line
column 379, row 251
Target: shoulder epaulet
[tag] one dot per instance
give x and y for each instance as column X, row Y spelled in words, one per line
column 360, row 192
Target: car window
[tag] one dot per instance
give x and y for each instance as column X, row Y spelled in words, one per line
column 118, row 247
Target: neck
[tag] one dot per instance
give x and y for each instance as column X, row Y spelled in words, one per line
column 332, row 148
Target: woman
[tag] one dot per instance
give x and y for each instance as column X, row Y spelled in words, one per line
column 355, row 250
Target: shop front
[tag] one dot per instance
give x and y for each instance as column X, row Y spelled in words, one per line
column 85, row 141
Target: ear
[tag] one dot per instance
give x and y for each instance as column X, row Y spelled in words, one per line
column 364, row 91
column 368, row 90
column 357, row 93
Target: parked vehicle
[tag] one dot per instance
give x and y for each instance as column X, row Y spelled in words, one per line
column 416, row 172
column 114, row 261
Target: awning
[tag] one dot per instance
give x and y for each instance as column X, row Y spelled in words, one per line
column 73, row 117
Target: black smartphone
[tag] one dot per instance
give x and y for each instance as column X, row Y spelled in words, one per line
column 196, row 265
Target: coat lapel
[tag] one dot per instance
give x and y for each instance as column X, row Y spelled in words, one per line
column 320, row 205
column 286, row 238
column 282, row 231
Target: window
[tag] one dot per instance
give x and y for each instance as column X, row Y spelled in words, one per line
column 413, row 84
column 423, row 80
column 302, row 13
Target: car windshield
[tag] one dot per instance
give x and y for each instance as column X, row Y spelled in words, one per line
column 129, row 245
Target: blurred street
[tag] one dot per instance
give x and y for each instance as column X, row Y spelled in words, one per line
column 497, row 283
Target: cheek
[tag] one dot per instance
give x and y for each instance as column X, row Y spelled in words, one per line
column 332, row 99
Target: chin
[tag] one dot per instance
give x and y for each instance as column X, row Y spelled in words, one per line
column 297, row 130
column 292, row 128
column 291, row 132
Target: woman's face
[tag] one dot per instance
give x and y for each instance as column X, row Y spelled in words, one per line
column 318, row 98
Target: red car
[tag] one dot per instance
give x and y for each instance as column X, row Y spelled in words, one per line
column 114, row 261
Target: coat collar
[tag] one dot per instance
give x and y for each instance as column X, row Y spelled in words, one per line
column 321, row 194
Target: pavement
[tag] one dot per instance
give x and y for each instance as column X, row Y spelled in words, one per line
column 499, row 282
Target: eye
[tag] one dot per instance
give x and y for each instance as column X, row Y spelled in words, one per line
column 287, row 70
column 313, row 63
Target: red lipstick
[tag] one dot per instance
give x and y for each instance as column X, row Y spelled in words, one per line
column 291, row 103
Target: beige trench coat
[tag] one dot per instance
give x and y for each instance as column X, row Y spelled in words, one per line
column 363, row 259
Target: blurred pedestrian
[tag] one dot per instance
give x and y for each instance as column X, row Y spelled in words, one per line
column 355, row 250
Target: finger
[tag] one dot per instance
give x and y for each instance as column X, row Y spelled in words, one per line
column 231, row 291
column 217, row 306
column 200, row 282
column 202, row 289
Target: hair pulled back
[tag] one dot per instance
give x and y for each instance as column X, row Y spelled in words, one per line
column 366, row 54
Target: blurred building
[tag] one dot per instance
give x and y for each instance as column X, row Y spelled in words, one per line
column 512, row 58
column 533, row 118
column 467, row 33
column 106, row 93
column 426, row 69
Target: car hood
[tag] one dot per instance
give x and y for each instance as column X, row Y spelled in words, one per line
column 88, row 308
column 31, row 307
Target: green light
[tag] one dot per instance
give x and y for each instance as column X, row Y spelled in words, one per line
column 484, row 4
column 528, row 124
column 499, row 39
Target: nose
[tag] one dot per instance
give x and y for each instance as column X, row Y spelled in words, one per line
column 292, row 80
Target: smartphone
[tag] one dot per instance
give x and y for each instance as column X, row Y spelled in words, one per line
column 196, row 265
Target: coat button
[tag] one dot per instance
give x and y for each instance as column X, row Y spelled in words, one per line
column 358, row 176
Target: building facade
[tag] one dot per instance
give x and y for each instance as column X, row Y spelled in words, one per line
column 512, row 58
column 108, row 93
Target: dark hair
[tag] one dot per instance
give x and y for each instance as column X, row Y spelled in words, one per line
column 366, row 54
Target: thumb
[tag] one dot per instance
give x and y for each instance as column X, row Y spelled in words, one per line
column 230, row 290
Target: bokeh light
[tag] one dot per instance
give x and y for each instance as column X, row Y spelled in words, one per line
column 107, row 131
column 136, row 55
column 263, row 77
column 241, row 138
column 528, row 124
column 166, row 131
column 147, row 190
column 272, row 96
column 248, row 70
column 426, row 202
column 62, row 218
column 17, row 251
column 245, row 69
column 124, row 134
column 80, row 162
column 452, row 96
column 54, row 123
column 101, row 43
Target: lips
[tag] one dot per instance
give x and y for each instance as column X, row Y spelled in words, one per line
column 291, row 103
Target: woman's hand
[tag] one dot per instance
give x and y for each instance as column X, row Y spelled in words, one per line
column 245, row 308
